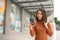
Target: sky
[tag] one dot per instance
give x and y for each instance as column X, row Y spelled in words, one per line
column 57, row 9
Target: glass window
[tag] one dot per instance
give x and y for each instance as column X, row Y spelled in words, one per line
column 2, row 9
column 15, row 21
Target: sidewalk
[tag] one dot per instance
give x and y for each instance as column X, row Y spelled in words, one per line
column 16, row 36
column 57, row 35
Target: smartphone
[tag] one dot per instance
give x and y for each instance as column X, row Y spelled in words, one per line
column 32, row 20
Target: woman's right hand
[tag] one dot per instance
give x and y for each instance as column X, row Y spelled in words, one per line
column 31, row 26
column 32, row 30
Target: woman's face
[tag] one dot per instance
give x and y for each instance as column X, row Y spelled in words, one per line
column 39, row 15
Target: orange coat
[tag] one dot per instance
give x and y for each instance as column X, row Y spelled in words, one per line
column 40, row 31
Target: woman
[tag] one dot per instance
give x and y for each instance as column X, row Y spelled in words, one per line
column 41, row 26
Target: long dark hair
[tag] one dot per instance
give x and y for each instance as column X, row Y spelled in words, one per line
column 44, row 17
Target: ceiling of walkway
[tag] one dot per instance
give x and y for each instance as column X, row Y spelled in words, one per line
column 32, row 5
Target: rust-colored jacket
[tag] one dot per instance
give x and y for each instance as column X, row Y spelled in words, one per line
column 40, row 31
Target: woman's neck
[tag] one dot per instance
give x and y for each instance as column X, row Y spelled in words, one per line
column 39, row 20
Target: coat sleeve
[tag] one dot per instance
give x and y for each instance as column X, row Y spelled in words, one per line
column 49, row 29
column 32, row 32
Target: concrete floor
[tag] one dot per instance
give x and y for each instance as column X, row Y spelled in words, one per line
column 16, row 36
column 22, row 36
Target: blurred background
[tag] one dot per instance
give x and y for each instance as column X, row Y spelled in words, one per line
column 15, row 15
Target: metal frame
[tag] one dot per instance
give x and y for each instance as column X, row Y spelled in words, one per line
column 36, row 5
column 40, row 5
column 5, row 18
column 18, row 5
column 37, row 8
column 32, row 1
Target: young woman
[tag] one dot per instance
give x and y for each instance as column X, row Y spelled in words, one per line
column 41, row 26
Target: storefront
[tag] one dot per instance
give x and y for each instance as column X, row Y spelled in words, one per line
column 2, row 12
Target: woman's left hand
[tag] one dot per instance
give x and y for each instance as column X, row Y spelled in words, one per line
column 46, row 24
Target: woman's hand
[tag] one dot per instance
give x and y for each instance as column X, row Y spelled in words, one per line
column 48, row 28
column 46, row 24
column 32, row 29
column 31, row 26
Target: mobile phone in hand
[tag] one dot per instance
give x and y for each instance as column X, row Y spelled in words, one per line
column 32, row 21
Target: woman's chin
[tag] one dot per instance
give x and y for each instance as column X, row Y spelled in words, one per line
column 39, row 18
